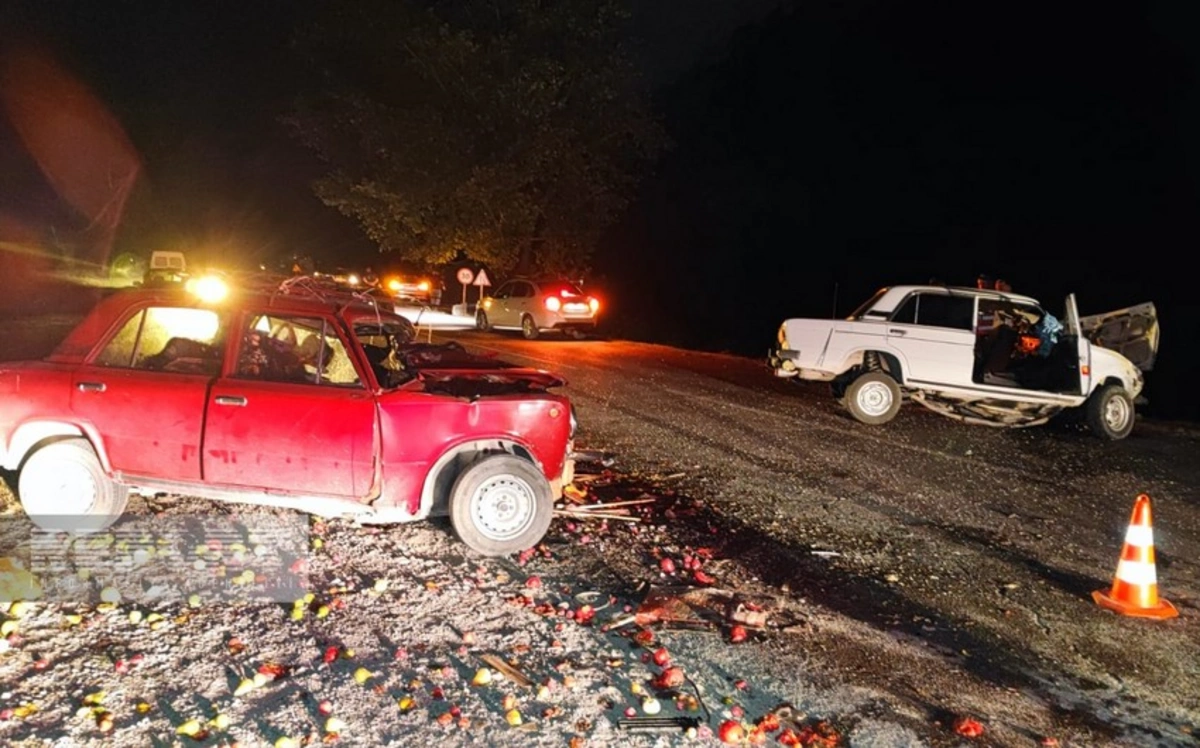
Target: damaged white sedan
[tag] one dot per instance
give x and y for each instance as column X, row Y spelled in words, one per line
column 977, row 355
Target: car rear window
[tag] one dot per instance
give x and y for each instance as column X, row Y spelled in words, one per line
column 561, row 289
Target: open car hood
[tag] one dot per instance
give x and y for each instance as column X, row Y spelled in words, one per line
column 448, row 368
column 1132, row 332
column 473, row 383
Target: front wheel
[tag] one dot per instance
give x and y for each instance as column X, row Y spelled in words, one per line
column 1110, row 413
column 529, row 328
column 481, row 321
column 873, row 398
column 62, row 487
column 501, row 504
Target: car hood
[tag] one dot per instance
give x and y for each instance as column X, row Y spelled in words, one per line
column 1132, row 332
column 475, row 383
column 448, row 368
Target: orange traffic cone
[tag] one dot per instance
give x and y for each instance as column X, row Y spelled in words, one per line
column 1135, row 586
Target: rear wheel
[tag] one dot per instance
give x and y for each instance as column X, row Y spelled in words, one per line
column 1110, row 413
column 481, row 321
column 873, row 398
column 501, row 504
column 529, row 328
column 62, row 487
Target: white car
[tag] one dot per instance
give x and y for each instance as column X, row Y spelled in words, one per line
column 978, row 355
column 535, row 305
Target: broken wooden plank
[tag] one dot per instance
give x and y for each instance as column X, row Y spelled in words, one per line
column 510, row 672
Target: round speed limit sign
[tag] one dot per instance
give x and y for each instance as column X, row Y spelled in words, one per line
column 465, row 276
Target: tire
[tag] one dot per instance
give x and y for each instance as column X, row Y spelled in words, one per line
column 873, row 398
column 838, row 387
column 62, row 487
column 501, row 504
column 481, row 321
column 529, row 328
column 1110, row 412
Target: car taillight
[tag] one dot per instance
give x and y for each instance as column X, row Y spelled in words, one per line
column 553, row 304
column 423, row 285
column 594, row 304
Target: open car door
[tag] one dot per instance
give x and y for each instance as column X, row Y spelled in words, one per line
column 1132, row 332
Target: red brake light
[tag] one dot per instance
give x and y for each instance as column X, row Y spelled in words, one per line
column 552, row 303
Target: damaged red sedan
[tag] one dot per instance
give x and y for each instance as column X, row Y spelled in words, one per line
column 292, row 398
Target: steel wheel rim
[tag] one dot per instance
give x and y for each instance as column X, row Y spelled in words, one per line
column 503, row 507
column 1116, row 413
column 874, row 399
column 69, row 489
column 527, row 326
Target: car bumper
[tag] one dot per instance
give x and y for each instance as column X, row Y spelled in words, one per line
column 783, row 362
column 571, row 323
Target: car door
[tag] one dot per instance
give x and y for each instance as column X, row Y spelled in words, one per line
column 279, row 421
column 1072, row 335
column 510, row 304
column 497, row 305
column 932, row 335
column 521, row 302
column 143, row 392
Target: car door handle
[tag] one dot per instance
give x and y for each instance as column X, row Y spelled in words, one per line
column 230, row 400
column 91, row 386
column 898, row 332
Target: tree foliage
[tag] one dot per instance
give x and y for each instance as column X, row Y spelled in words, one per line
column 513, row 131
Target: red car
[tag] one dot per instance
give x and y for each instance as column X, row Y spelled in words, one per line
column 290, row 398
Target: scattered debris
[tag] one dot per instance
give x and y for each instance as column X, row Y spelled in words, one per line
column 658, row 724
column 509, row 671
column 968, row 727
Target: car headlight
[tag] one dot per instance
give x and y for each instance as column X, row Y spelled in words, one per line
column 209, row 288
column 782, row 336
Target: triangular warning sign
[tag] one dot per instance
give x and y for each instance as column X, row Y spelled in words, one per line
column 481, row 279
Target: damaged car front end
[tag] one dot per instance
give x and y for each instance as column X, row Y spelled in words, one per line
column 977, row 355
column 289, row 397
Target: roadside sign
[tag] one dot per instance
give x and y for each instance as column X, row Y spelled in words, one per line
column 481, row 280
column 465, row 276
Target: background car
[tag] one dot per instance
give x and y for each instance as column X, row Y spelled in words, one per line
column 537, row 305
column 165, row 268
column 410, row 283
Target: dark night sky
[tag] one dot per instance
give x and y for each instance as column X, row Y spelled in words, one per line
column 823, row 149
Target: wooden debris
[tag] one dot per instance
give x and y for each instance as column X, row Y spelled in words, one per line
column 510, row 672
column 566, row 512
column 612, row 504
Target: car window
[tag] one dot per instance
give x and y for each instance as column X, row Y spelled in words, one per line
column 522, row 290
column 864, row 309
column 563, row 289
column 175, row 339
column 504, row 291
column 937, row 310
column 285, row 348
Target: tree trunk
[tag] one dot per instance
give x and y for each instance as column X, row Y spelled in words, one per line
column 532, row 248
